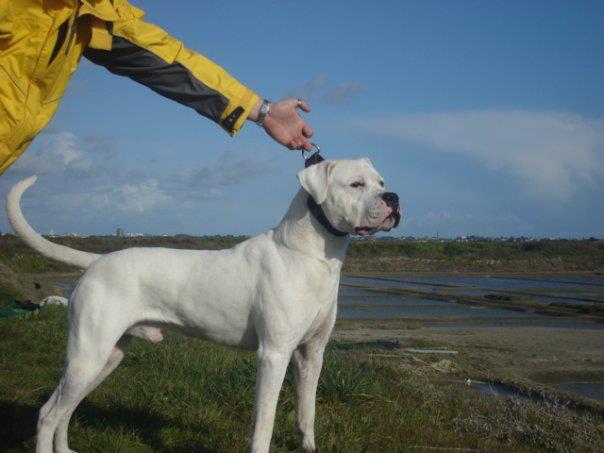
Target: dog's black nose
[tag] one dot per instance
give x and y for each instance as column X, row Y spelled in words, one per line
column 391, row 199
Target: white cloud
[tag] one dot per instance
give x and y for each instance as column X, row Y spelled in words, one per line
column 448, row 221
column 134, row 197
column 552, row 153
column 318, row 89
column 58, row 152
column 84, row 178
column 86, row 183
column 140, row 197
column 209, row 180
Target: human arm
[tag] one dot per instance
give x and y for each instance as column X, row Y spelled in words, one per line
column 148, row 55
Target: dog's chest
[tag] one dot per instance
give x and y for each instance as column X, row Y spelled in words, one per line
column 321, row 304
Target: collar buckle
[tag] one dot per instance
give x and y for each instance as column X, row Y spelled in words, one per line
column 315, row 158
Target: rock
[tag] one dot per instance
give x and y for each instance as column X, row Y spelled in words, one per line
column 54, row 300
column 445, row 367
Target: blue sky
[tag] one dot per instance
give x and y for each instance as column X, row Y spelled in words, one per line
column 486, row 117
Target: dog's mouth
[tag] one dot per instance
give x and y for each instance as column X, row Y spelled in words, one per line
column 392, row 220
column 396, row 216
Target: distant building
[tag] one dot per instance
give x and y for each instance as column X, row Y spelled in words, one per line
column 119, row 232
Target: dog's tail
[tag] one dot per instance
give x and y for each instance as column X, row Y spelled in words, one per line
column 36, row 241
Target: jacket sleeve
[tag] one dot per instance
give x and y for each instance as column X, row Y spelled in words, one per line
column 147, row 54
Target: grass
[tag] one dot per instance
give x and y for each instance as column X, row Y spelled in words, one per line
column 484, row 256
column 189, row 395
column 377, row 255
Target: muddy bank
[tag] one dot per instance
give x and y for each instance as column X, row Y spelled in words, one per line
column 536, row 359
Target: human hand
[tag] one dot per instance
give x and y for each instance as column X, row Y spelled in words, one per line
column 286, row 126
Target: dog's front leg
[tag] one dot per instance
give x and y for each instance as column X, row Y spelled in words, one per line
column 307, row 360
column 272, row 365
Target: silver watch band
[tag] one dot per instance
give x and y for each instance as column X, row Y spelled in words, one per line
column 264, row 109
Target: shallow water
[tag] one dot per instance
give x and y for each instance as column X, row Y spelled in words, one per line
column 591, row 280
column 552, row 298
column 593, row 390
column 350, row 291
column 446, row 310
column 387, row 283
column 480, row 286
column 384, row 299
column 66, row 286
column 564, row 299
column 61, row 284
column 561, row 281
column 492, row 389
column 548, row 322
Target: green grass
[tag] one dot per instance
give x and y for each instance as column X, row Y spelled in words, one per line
column 189, row 395
column 377, row 255
column 539, row 256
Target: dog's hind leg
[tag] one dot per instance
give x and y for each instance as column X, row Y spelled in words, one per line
column 118, row 353
column 89, row 348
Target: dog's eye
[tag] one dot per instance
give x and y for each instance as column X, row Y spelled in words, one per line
column 382, row 183
column 357, row 184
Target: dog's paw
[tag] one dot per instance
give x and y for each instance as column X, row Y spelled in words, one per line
column 308, row 445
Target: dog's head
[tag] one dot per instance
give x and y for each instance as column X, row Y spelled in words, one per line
column 352, row 195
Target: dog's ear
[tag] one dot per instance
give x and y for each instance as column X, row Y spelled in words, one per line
column 315, row 179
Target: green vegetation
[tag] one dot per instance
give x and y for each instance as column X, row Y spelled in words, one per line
column 188, row 395
column 538, row 256
column 375, row 255
column 479, row 250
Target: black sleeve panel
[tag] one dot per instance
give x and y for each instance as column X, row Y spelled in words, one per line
column 171, row 80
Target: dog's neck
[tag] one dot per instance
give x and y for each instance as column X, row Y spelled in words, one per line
column 300, row 230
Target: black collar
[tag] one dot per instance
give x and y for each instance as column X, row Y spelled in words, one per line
column 318, row 213
column 314, row 208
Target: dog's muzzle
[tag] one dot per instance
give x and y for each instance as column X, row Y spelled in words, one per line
column 391, row 200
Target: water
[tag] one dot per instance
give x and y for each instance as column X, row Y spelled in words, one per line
column 557, row 291
column 542, row 322
column 493, row 389
column 376, row 304
column 66, row 286
column 513, row 283
column 564, row 299
column 593, row 390
column 350, row 291
column 553, row 298
column 588, row 280
column 388, row 283
column 381, row 299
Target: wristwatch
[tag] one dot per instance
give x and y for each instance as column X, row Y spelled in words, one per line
column 264, row 109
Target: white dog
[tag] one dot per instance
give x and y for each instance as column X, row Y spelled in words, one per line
column 275, row 293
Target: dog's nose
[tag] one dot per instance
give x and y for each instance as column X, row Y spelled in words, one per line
column 391, row 199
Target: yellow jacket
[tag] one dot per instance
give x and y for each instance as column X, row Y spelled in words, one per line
column 42, row 41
